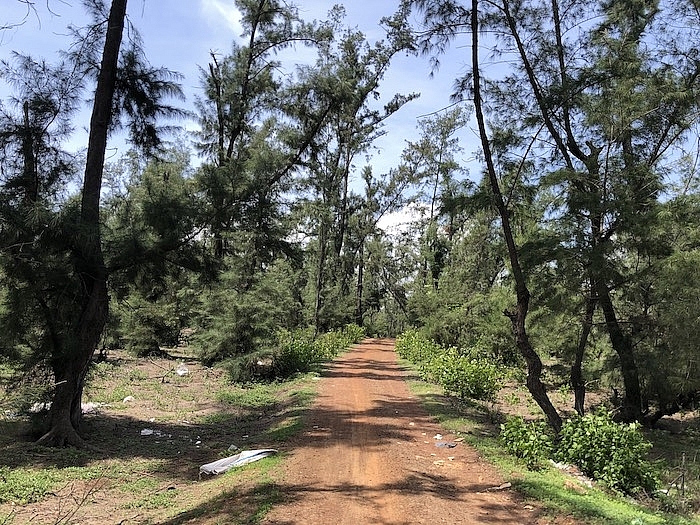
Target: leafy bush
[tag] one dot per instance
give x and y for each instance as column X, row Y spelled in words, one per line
column 464, row 374
column 330, row 344
column 460, row 372
column 609, row 452
column 299, row 351
column 531, row 442
column 354, row 333
column 415, row 347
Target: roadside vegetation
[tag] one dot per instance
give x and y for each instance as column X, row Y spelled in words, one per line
column 596, row 469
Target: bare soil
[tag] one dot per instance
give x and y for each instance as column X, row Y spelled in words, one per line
column 370, row 454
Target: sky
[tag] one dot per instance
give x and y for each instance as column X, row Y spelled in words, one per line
column 180, row 34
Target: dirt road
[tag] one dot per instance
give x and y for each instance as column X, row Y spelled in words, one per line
column 368, row 455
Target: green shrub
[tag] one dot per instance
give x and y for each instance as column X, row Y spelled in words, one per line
column 464, row 375
column 297, row 353
column 354, row 333
column 531, row 442
column 415, row 347
column 330, row 344
column 610, row 452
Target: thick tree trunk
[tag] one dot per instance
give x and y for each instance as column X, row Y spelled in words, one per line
column 70, row 367
column 518, row 317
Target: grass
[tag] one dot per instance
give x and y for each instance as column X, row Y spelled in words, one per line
column 258, row 396
column 195, row 418
column 553, row 490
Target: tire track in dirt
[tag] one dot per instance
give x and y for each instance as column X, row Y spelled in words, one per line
column 367, row 456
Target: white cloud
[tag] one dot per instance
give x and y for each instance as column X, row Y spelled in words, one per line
column 222, row 14
column 399, row 222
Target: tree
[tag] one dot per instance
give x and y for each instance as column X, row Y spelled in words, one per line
column 56, row 277
column 459, row 16
column 435, row 170
column 71, row 360
column 242, row 108
column 345, row 80
column 255, row 127
column 600, row 97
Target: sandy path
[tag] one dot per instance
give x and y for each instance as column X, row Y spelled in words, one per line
column 368, row 456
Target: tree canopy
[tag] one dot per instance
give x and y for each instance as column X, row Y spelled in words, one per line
column 570, row 237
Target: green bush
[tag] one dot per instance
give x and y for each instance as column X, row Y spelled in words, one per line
column 298, row 351
column 464, row 375
column 607, row 451
column 354, row 333
column 531, row 442
column 330, row 344
column 415, row 347
column 461, row 372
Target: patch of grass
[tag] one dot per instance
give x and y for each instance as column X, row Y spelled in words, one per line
column 285, row 430
column 158, row 499
column 218, row 419
column 137, row 375
column 303, row 398
column 135, row 474
column 263, row 498
column 109, row 394
column 259, row 396
column 139, row 485
column 22, row 486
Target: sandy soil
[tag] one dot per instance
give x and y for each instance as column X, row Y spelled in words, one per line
column 369, row 455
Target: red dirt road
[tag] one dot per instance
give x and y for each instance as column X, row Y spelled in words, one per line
column 368, row 456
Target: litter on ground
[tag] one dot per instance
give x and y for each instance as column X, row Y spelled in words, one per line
column 245, row 457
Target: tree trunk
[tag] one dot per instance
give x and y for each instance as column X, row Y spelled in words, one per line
column 577, row 383
column 359, row 313
column 70, row 366
column 518, row 317
column 320, row 280
column 631, row 409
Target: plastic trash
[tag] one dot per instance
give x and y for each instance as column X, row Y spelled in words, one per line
column 245, row 457
column 182, row 370
column 445, row 444
column 90, row 408
column 128, row 399
column 147, row 432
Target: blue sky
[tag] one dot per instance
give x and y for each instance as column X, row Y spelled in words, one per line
column 179, row 35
